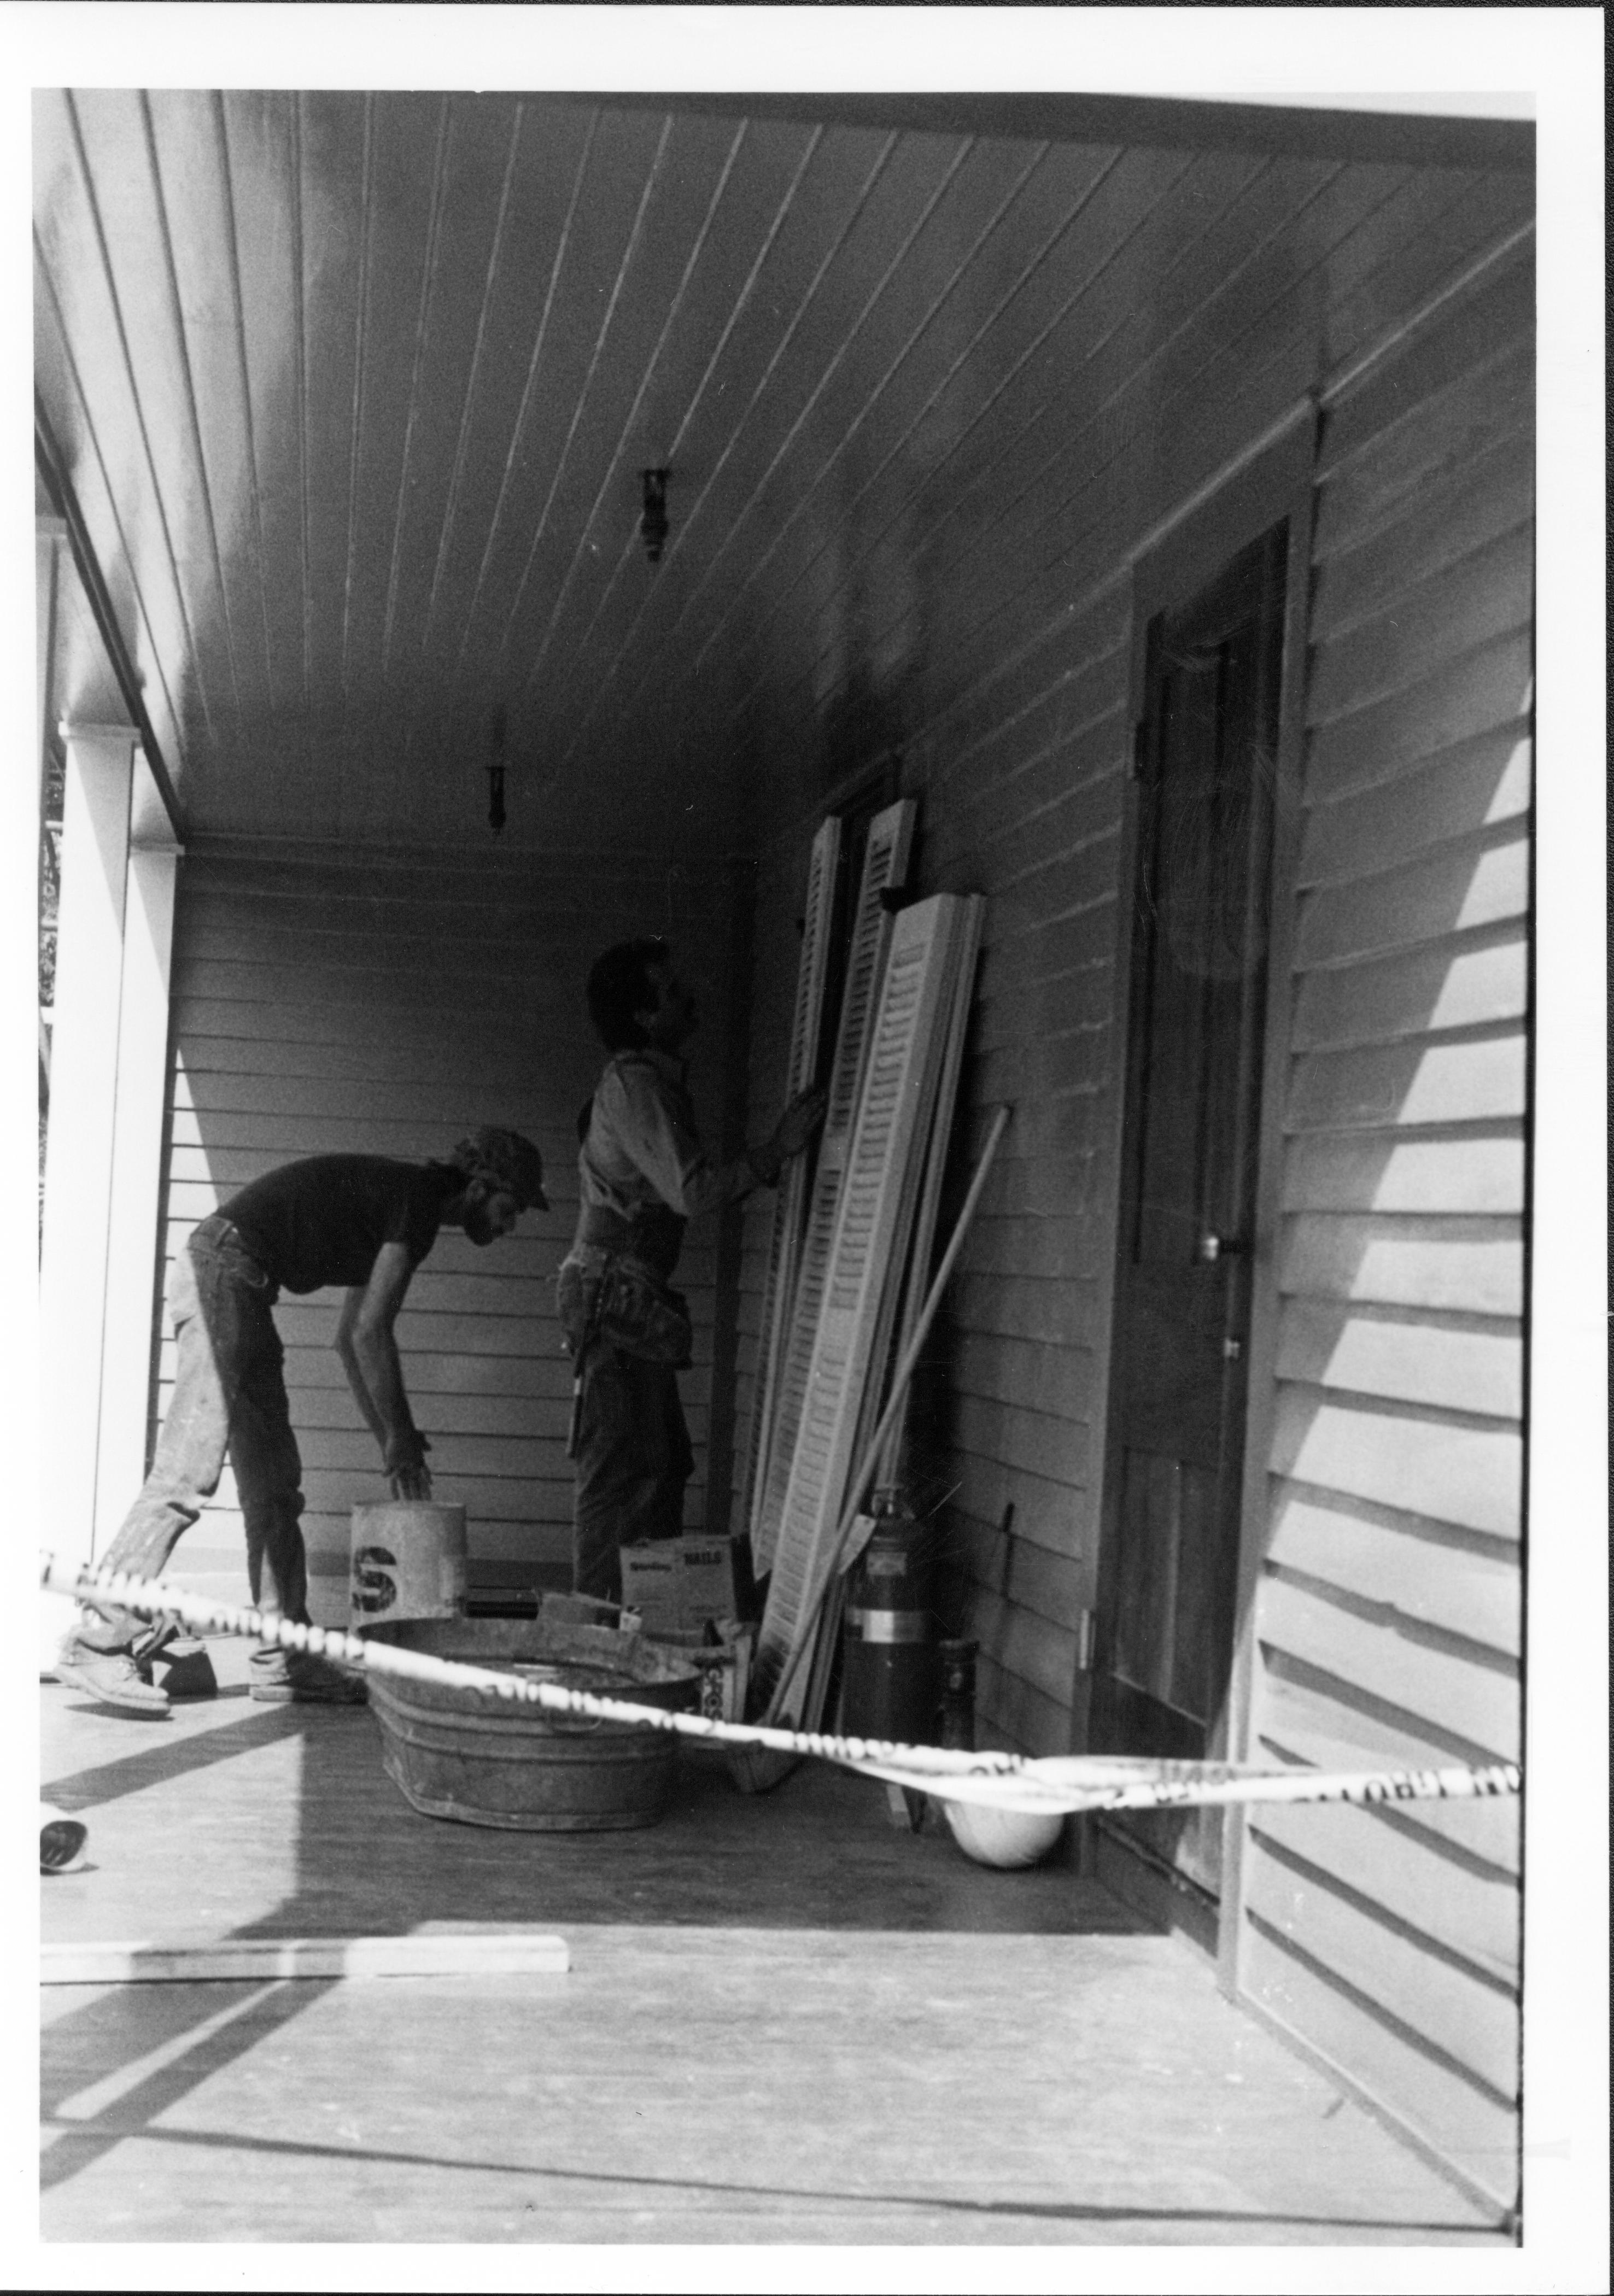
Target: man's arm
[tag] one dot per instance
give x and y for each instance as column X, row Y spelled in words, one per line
column 653, row 1129
column 368, row 1350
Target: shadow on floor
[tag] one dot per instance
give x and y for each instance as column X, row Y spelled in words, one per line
column 163, row 1755
column 819, row 1852
column 74, row 2150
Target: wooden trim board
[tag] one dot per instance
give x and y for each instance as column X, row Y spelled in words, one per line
column 504, row 1953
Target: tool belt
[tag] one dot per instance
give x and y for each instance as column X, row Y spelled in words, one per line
column 613, row 1288
column 653, row 1235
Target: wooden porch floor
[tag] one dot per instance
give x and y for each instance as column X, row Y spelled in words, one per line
column 785, row 2021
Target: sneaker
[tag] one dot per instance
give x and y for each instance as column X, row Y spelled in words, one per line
column 297, row 1677
column 112, row 1678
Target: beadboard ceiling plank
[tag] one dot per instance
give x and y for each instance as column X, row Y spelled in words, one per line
column 479, row 154
column 608, row 195
column 818, row 208
column 87, row 687
column 1012, row 379
column 839, row 433
column 682, row 422
column 829, row 534
column 117, row 140
column 334, row 137
column 259, row 136
column 402, row 217
column 540, row 204
column 924, row 447
column 912, row 177
column 632, row 384
column 93, row 398
column 191, row 166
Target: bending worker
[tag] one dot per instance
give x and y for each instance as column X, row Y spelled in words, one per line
column 365, row 1222
column 643, row 1174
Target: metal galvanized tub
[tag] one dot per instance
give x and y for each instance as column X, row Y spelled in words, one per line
column 473, row 1756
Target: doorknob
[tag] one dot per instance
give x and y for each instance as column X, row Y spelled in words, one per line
column 1213, row 1247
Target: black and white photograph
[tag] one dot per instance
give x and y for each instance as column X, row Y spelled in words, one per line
column 816, row 1440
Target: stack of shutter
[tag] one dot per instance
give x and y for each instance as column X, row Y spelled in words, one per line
column 782, row 1382
column 885, row 1198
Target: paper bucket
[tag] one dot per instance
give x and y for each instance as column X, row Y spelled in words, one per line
column 408, row 1562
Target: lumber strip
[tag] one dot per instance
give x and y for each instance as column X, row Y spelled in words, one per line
column 503, row 1953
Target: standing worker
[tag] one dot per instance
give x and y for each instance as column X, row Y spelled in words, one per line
column 365, row 1222
column 643, row 1176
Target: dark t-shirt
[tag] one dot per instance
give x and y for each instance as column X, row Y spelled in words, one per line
column 325, row 1219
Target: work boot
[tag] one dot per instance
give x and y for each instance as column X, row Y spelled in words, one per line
column 113, row 1678
column 178, row 1662
column 280, row 1678
column 186, row 1668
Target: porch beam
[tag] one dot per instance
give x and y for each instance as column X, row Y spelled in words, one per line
column 1304, row 132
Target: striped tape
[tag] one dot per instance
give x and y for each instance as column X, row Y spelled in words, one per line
column 1001, row 1781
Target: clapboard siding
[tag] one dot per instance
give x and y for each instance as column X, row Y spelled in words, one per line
column 388, row 1010
column 1454, row 1171
column 1309, row 1716
column 1387, row 1609
column 1416, row 1358
column 1414, row 994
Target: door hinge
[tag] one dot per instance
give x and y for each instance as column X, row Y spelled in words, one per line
column 1140, row 750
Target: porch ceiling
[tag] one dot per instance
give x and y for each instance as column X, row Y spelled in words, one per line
column 354, row 393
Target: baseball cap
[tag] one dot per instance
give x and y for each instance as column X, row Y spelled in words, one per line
column 510, row 1159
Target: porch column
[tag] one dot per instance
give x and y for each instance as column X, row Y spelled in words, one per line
column 49, row 538
column 134, row 1224
column 98, row 1262
column 78, row 1146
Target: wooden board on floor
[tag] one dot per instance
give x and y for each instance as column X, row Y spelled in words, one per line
column 503, row 1953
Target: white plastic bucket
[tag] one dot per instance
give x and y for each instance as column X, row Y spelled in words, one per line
column 407, row 1561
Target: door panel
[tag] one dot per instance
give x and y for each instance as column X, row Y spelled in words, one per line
column 1167, row 1570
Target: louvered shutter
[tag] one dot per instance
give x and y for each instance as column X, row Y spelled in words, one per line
column 791, row 1202
column 866, row 1247
column 885, row 868
column 966, row 949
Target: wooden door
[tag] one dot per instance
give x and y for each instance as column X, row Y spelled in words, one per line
column 1205, row 771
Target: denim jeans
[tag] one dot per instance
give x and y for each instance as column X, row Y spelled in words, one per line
column 632, row 1460
column 229, row 1396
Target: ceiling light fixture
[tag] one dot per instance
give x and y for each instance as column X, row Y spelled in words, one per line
column 653, row 526
column 495, row 771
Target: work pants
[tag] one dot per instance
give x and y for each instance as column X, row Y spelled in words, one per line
column 632, row 1460
column 229, row 1397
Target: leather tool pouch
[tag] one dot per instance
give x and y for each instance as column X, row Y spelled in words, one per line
column 624, row 1307
column 643, row 1317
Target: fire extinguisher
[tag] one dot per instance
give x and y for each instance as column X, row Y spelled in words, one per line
column 889, row 1683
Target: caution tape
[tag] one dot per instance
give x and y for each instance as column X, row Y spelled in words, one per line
column 1044, row 1785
